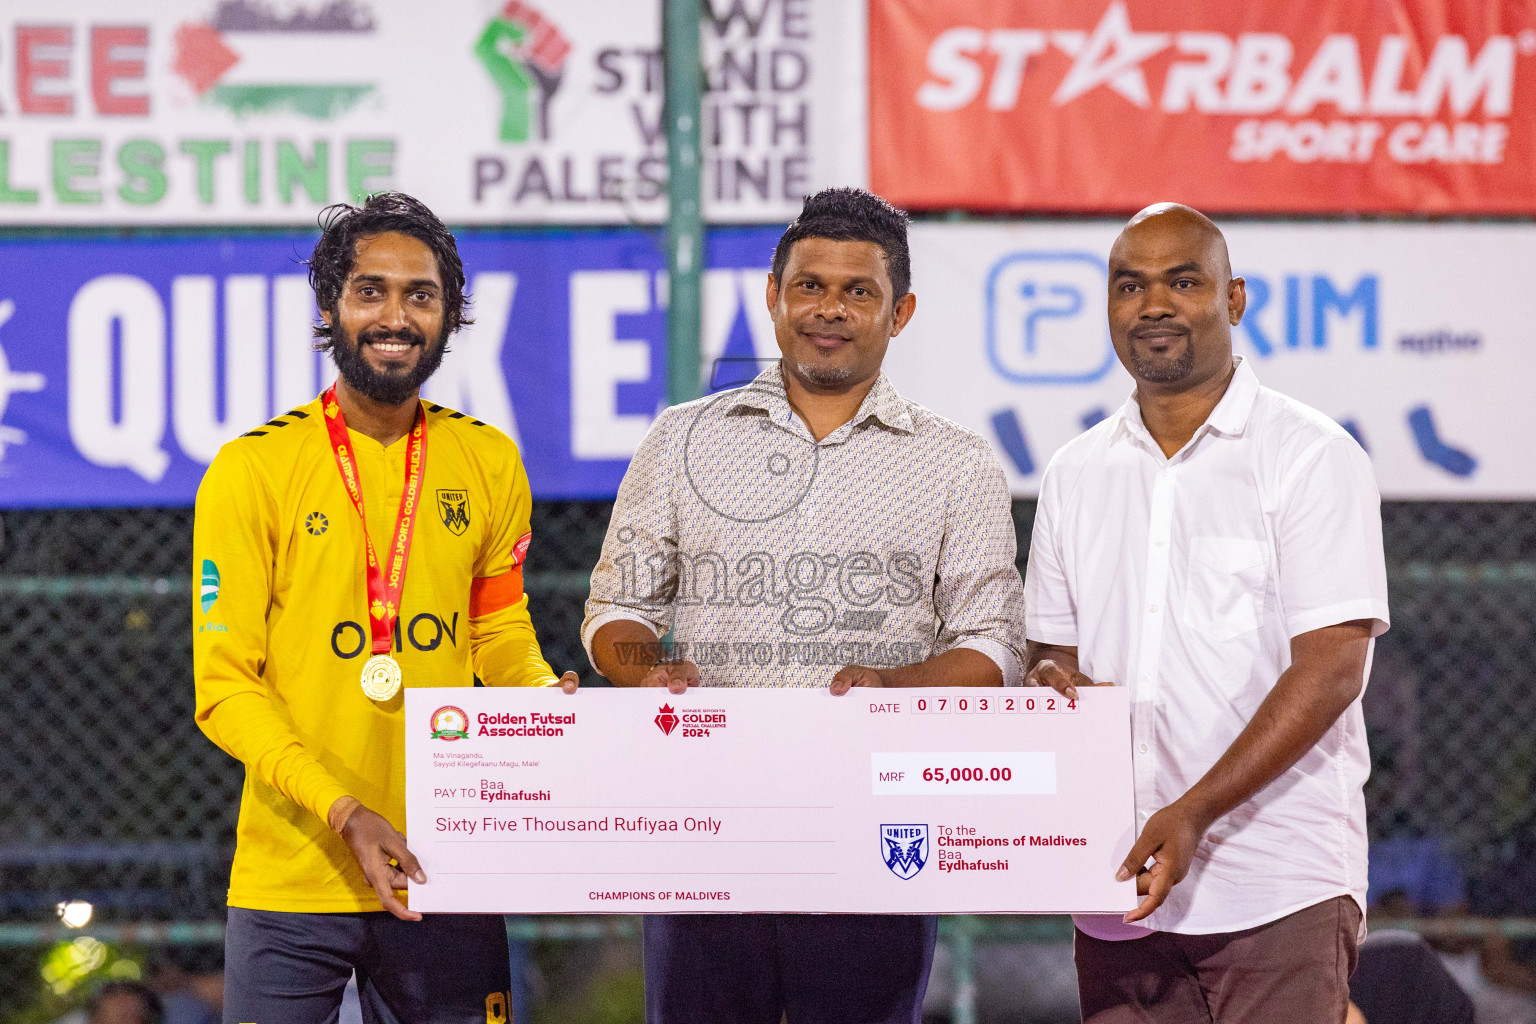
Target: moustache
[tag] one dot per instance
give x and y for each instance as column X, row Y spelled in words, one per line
column 406, row 336
column 824, row 330
column 1160, row 331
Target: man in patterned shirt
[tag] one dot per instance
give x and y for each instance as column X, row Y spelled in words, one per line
column 813, row 528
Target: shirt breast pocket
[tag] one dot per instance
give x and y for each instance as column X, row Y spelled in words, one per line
column 1224, row 597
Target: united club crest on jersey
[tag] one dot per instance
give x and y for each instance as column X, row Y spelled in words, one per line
column 904, row 848
column 453, row 506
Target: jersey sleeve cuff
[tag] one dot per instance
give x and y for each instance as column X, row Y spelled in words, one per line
column 341, row 811
column 325, row 801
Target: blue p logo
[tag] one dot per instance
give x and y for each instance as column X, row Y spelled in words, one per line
column 1045, row 318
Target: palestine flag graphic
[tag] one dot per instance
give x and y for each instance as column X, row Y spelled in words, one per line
column 250, row 60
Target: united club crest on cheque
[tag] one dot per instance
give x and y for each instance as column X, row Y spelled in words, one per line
column 904, row 848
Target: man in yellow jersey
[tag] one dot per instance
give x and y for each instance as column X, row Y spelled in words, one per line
column 357, row 544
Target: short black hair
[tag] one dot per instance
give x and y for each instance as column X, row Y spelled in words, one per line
column 342, row 224
column 852, row 215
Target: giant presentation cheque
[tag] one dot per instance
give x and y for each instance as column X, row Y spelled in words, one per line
column 882, row 801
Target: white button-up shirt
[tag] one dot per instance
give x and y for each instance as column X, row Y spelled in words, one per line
column 1185, row 578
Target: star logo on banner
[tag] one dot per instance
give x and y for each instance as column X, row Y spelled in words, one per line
column 1109, row 55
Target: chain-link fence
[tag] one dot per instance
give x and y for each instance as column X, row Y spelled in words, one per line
column 108, row 792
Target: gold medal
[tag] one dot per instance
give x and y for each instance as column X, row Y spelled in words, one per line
column 381, row 677
column 381, row 674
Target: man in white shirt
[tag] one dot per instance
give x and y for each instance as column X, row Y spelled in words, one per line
column 1216, row 547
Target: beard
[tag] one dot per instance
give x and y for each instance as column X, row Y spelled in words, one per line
column 1156, row 370
column 832, row 378
column 392, row 386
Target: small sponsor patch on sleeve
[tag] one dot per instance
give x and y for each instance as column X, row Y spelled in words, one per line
column 520, row 549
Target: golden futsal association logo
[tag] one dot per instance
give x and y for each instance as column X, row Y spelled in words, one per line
column 450, row 723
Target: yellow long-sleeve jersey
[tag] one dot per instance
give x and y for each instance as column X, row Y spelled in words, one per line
column 280, row 626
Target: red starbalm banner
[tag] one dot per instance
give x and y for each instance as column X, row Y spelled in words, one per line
column 1277, row 106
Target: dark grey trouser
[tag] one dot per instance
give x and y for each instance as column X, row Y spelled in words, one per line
column 1291, row 971
column 812, row 968
column 288, row 968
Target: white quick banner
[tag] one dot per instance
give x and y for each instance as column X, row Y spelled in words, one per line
column 491, row 111
column 1416, row 337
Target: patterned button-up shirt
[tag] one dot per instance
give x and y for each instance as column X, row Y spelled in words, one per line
column 774, row 559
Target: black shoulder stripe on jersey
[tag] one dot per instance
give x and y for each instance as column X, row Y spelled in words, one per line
column 278, row 421
column 453, row 415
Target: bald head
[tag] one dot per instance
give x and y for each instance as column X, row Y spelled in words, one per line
column 1172, row 298
column 1185, row 223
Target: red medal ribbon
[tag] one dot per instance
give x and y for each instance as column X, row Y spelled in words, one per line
column 384, row 588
